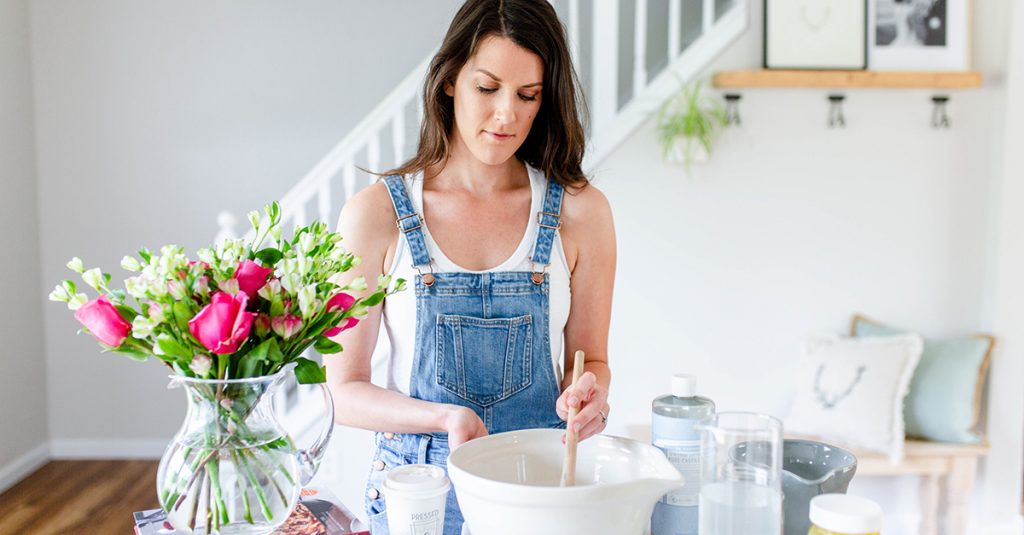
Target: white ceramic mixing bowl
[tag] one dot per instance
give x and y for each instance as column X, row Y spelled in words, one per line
column 509, row 484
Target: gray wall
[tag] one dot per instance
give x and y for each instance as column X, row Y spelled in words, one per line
column 154, row 116
column 22, row 360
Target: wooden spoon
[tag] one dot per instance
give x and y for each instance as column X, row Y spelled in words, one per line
column 569, row 463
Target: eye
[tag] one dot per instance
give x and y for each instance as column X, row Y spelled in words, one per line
column 486, row 90
column 528, row 99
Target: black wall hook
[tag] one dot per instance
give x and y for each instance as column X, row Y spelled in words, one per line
column 732, row 109
column 940, row 119
column 835, row 111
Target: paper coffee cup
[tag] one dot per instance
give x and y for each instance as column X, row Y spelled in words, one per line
column 415, row 497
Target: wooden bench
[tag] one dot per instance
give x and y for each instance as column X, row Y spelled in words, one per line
column 947, row 471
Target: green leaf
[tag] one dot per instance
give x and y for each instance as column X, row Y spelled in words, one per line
column 182, row 314
column 132, row 353
column 326, row 346
column 126, row 312
column 308, row 372
column 117, row 295
column 269, row 256
column 145, row 255
column 374, row 299
column 252, row 363
column 170, row 346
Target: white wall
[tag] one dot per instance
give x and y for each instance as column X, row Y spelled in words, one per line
column 154, row 116
column 792, row 227
column 22, row 359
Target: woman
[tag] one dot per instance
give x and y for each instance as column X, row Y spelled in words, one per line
column 497, row 225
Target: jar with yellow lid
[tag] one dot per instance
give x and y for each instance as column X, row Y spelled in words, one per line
column 840, row 514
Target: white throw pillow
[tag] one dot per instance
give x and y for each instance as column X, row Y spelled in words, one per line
column 851, row 390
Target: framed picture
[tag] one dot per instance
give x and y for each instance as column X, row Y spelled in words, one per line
column 918, row 35
column 815, row 34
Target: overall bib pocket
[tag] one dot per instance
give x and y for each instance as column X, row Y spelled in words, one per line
column 484, row 360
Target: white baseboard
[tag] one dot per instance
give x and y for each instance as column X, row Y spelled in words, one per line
column 1013, row 527
column 107, row 449
column 23, row 466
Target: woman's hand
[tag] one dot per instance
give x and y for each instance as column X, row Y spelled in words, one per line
column 463, row 425
column 592, row 400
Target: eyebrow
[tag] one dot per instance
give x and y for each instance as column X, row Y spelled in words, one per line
column 496, row 79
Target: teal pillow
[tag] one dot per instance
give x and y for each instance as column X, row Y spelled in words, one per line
column 944, row 401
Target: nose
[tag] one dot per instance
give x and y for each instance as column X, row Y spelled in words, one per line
column 504, row 112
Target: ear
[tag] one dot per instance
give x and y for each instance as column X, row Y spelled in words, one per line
column 449, row 89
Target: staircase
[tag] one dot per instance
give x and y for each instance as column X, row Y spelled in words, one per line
column 630, row 56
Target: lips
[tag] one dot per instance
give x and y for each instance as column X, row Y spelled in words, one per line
column 499, row 137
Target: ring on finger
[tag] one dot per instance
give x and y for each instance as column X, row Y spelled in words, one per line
column 604, row 417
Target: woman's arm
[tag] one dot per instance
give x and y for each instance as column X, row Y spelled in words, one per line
column 589, row 234
column 367, row 225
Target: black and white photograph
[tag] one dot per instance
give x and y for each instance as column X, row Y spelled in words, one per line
column 910, row 23
column 918, row 35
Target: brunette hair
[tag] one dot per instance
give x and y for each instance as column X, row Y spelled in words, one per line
column 556, row 140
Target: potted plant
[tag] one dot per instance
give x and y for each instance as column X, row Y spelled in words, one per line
column 688, row 125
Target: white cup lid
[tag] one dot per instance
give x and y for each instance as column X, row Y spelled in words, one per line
column 684, row 385
column 416, row 478
column 846, row 514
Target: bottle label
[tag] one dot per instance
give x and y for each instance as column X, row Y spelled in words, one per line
column 680, row 442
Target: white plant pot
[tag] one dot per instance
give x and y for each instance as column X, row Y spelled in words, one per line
column 687, row 150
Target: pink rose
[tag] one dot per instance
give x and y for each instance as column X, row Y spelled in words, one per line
column 251, row 276
column 340, row 301
column 222, row 325
column 335, row 331
column 103, row 321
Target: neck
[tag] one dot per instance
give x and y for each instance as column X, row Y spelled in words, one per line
column 465, row 172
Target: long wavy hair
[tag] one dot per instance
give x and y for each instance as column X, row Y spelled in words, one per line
column 556, row 140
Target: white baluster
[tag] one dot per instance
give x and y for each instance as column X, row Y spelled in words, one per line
column 574, row 31
column 226, row 221
column 606, row 63
column 398, row 135
column 709, row 16
column 675, row 9
column 299, row 216
column 349, row 178
column 640, row 47
column 323, row 202
column 373, row 152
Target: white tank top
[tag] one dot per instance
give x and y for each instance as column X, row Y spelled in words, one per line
column 397, row 342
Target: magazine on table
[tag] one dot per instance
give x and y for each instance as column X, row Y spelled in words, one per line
column 319, row 512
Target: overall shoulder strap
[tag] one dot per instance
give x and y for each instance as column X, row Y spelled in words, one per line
column 549, row 220
column 407, row 220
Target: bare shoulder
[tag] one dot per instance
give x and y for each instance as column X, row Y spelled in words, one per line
column 585, row 209
column 587, row 226
column 367, row 221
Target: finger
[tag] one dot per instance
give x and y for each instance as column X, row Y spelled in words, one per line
column 583, row 389
column 589, row 412
column 593, row 428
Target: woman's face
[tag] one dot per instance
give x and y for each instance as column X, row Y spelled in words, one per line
column 496, row 96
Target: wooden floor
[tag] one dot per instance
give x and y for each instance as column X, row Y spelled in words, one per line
column 79, row 497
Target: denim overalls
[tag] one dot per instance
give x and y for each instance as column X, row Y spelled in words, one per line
column 482, row 342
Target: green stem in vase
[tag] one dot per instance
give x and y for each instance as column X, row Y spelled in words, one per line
column 244, row 491
column 260, row 496
column 168, row 498
column 269, row 475
column 215, row 478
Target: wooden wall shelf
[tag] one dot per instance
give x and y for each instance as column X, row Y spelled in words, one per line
column 848, row 79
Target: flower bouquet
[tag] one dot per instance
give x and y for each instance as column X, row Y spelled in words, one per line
column 231, row 324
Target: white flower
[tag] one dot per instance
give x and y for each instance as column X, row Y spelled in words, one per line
column 176, row 288
column 75, row 264
column 200, row 365
column 358, row 284
column 230, row 286
column 171, row 260
column 206, row 255
column 290, row 282
column 60, row 294
column 275, row 232
column 77, row 301
column 270, row 289
column 254, row 219
column 202, row 286
column 306, row 243
column 130, row 263
column 94, row 278
column 142, row 326
column 135, row 287
column 308, row 304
